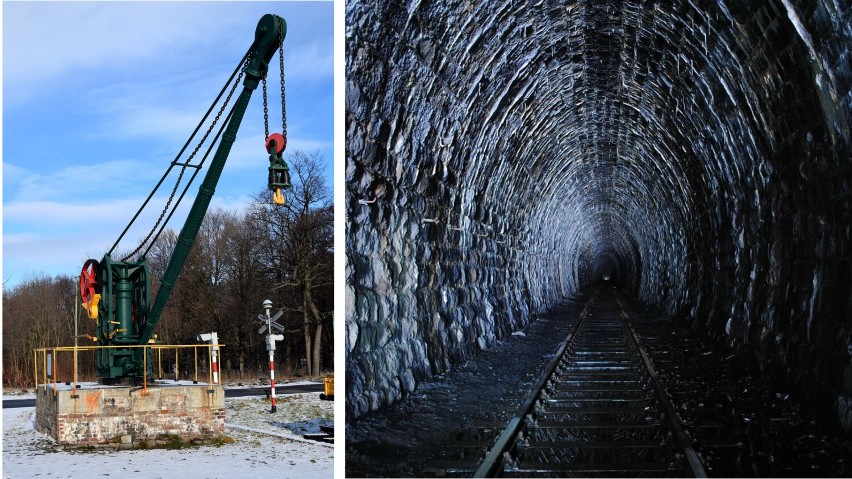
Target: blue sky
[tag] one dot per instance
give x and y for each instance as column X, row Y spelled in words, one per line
column 99, row 97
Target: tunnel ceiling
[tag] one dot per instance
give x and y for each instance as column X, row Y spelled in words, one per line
column 698, row 150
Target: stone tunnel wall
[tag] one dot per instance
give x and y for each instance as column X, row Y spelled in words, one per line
column 503, row 155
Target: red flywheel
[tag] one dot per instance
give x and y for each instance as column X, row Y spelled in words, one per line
column 89, row 280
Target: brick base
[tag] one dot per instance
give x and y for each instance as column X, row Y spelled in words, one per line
column 104, row 415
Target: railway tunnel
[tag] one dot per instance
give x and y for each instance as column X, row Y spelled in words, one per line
column 503, row 156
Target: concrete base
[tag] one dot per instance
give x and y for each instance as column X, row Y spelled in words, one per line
column 127, row 417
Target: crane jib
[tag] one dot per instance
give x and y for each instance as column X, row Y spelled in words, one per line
column 265, row 45
column 116, row 293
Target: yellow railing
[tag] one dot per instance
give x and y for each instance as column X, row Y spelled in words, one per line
column 53, row 354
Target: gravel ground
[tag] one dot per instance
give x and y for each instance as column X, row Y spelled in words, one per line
column 402, row 440
column 766, row 432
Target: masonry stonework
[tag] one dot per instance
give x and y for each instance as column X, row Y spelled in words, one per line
column 502, row 155
column 130, row 416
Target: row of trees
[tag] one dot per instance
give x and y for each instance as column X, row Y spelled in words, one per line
column 281, row 253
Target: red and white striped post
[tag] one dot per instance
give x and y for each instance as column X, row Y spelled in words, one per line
column 272, row 374
column 214, row 357
column 270, row 346
column 213, row 339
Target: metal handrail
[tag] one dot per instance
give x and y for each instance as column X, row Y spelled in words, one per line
column 75, row 349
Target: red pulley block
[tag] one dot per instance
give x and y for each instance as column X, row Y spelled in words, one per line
column 89, row 280
column 280, row 142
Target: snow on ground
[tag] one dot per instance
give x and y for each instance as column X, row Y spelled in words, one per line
column 305, row 413
column 266, row 445
column 28, row 393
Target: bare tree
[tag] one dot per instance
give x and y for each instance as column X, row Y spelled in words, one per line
column 37, row 313
column 245, row 281
column 236, row 262
column 298, row 248
column 210, row 293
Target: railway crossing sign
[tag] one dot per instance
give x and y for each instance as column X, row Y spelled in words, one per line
column 270, row 323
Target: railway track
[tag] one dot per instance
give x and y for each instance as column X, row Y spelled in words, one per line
column 599, row 409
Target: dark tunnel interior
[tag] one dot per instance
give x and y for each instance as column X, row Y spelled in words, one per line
column 504, row 155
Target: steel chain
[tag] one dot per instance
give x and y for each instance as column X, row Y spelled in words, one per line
column 186, row 163
column 265, row 111
column 281, row 63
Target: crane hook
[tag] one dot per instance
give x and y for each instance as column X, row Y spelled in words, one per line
column 279, row 173
column 278, row 197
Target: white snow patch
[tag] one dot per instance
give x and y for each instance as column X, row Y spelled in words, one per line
column 519, row 333
column 266, row 445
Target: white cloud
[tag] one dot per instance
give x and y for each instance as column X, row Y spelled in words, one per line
column 98, row 219
column 248, row 152
column 60, row 37
column 312, row 60
column 161, row 108
column 27, row 254
column 123, row 85
column 171, row 109
column 47, row 42
column 13, row 174
column 79, row 182
column 150, row 121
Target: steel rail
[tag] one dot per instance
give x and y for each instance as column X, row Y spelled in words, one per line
column 494, row 459
column 583, row 355
column 682, row 440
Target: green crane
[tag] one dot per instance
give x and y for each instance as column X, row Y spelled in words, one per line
column 116, row 292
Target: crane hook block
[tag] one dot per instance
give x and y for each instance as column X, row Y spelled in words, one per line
column 279, row 173
column 280, row 142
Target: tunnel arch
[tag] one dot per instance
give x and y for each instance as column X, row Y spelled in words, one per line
column 495, row 150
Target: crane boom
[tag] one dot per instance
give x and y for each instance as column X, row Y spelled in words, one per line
column 116, row 293
column 265, row 46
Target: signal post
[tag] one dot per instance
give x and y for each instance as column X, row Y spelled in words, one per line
column 270, row 343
